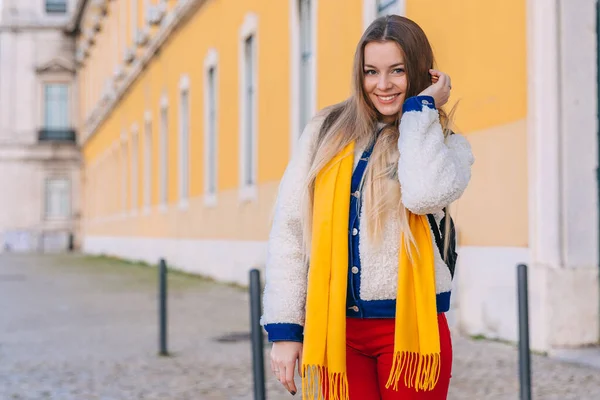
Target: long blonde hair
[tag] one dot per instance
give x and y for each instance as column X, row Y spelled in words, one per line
column 355, row 119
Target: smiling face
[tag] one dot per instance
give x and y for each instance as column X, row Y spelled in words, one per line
column 385, row 80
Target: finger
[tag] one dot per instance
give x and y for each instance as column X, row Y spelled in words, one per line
column 435, row 72
column 289, row 377
column 300, row 364
column 274, row 368
column 282, row 377
column 443, row 80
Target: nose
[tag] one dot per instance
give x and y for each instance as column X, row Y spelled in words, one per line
column 384, row 82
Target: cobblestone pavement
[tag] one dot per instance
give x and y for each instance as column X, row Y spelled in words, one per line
column 79, row 328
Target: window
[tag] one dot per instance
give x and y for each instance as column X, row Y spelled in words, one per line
column 248, row 107
column 306, row 61
column 184, row 138
column 147, row 160
column 134, row 167
column 56, row 6
column 124, row 172
column 56, row 106
column 210, row 127
column 250, row 110
column 58, row 198
column 303, row 44
column 385, row 7
column 377, row 8
column 164, row 151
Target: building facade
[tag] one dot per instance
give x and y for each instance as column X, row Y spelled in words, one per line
column 190, row 110
column 39, row 155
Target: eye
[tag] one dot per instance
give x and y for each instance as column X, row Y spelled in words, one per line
column 370, row 72
column 399, row 71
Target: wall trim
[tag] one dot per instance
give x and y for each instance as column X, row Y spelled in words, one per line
column 248, row 28
column 544, row 158
column 294, row 24
column 211, row 60
column 183, row 170
column 184, row 83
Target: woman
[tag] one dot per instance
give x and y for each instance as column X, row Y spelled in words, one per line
column 362, row 203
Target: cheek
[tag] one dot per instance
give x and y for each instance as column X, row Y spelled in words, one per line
column 401, row 83
column 370, row 83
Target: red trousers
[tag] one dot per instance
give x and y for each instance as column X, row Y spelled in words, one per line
column 369, row 350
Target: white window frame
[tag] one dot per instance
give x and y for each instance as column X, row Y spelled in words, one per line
column 370, row 10
column 163, row 163
column 69, row 199
column 248, row 192
column 124, row 172
column 135, row 167
column 295, row 78
column 211, row 62
column 114, row 171
column 184, row 142
column 67, row 106
column 148, row 152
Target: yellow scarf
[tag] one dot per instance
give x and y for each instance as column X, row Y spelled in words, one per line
column 416, row 341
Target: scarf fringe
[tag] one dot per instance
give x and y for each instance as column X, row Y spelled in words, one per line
column 316, row 380
column 421, row 371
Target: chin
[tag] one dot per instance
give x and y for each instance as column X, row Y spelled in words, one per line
column 387, row 113
column 391, row 110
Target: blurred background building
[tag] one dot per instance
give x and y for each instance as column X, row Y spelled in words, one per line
column 188, row 111
column 39, row 156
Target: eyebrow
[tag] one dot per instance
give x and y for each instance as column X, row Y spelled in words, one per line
column 391, row 66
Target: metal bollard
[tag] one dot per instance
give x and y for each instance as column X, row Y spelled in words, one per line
column 524, row 353
column 258, row 362
column 162, row 307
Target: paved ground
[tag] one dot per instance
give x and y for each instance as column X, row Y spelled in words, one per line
column 77, row 328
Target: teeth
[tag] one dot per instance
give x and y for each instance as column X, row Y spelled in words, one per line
column 387, row 98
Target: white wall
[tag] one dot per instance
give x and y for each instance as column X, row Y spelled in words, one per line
column 563, row 204
column 22, row 179
column 32, row 12
column 579, row 131
column 227, row 261
column 25, row 164
column 21, row 94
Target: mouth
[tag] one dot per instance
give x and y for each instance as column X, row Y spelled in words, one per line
column 387, row 99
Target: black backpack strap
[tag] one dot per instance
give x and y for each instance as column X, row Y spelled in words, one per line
column 436, row 233
column 439, row 236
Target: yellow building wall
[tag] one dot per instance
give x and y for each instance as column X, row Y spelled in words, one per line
column 215, row 25
column 339, row 29
column 487, row 63
column 482, row 45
